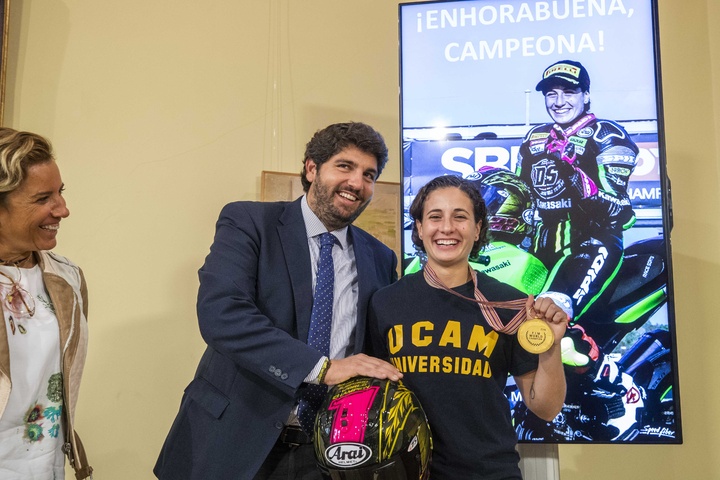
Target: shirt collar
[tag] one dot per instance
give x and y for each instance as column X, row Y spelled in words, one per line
column 315, row 227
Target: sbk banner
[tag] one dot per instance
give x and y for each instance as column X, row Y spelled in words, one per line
column 426, row 159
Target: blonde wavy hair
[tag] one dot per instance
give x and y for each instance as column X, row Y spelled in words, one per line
column 18, row 152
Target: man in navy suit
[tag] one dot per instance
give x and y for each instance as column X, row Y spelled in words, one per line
column 237, row 417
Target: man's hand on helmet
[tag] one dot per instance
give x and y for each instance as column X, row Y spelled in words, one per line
column 360, row 365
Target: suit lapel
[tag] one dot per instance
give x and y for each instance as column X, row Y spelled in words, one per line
column 365, row 262
column 293, row 238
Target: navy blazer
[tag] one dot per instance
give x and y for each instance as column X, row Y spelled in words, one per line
column 253, row 308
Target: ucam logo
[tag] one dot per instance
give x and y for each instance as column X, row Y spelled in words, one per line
column 347, row 454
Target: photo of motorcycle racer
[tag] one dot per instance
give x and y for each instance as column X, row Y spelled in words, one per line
column 616, row 394
column 577, row 168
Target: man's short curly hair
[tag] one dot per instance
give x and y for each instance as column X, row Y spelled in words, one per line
column 334, row 138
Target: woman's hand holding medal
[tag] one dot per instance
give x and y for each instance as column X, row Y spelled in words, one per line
column 545, row 325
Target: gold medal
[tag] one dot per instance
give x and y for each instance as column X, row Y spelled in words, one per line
column 535, row 336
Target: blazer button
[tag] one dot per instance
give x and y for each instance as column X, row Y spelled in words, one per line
column 278, row 372
column 284, row 376
column 271, row 369
column 279, row 425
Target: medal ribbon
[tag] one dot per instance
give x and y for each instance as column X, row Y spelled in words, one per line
column 486, row 307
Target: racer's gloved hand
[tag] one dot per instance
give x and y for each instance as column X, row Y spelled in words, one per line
column 574, row 179
column 578, row 349
column 558, row 145
column 559, row 148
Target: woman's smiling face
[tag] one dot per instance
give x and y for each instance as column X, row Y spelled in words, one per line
column 30, row 216
column 448, row 228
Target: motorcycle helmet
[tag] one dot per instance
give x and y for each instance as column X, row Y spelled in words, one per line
column 371, row 429
column 509, row 204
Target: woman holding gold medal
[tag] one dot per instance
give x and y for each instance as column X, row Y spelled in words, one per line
column 452, row 332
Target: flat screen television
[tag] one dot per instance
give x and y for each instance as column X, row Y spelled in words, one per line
column 532, row 100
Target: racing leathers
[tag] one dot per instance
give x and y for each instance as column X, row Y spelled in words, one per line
column 578, row 175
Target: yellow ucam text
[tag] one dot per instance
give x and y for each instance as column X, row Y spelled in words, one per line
column 436, row 364
column 423, row 334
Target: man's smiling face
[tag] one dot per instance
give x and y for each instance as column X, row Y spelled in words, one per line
column 341, row 187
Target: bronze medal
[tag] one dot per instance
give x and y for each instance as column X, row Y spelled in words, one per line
column 535, row 336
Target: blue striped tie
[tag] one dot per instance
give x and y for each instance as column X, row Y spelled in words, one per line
column 320, row 326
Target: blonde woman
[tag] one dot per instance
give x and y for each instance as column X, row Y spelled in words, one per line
column 43, row 300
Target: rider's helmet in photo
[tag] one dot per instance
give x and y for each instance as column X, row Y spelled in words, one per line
column 509, row 204
column 371, row 429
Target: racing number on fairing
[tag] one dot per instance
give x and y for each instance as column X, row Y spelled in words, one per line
column 351, row 415
column 503, row 224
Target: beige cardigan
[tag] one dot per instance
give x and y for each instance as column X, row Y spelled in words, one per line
column 66, row 286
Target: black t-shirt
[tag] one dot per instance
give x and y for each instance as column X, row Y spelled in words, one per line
column 457, row 365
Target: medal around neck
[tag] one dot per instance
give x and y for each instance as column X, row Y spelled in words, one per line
column 535, row 336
